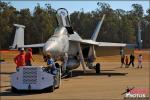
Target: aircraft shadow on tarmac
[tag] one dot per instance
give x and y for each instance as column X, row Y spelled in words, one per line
column 108, row 73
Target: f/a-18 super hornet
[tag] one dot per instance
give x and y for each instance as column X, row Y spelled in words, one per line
column 67, row 45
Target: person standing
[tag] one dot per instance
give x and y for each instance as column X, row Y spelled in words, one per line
column 140, row 58
column 20, row 59
column 132, row 60
column 126, row 61
column 122, row 60
column 29, row 57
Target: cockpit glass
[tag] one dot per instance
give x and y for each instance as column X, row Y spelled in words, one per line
column 62, row 17
column 62, row 12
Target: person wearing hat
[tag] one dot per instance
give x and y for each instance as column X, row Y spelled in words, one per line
column 29, row 57
column 20, row 59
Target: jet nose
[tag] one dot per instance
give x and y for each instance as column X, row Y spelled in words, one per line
column 49, row 48
column 45, row 49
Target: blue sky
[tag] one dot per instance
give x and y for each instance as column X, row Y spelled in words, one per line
column 78, row 5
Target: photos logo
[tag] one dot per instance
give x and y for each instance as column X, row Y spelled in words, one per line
column 140, row 93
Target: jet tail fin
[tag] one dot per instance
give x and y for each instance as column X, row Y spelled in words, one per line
column 92, row 52
column 95, row 34
column 19, row 37
column 138, row 37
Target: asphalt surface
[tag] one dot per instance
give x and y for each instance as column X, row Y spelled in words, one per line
column 109, row 84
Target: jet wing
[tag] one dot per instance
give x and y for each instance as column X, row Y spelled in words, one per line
column 109, row 44
column 90, row 42
column 103, row 44
column 76, row 38
column 33, row 45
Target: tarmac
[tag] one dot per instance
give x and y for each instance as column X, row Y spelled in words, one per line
column 110, row 84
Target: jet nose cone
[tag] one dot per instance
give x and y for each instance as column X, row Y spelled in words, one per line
column 46, row 49
column 50, row 47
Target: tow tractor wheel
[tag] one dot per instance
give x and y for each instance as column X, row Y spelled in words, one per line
column 14, row 89
column 52, row 88
column 97, row 68
column 57, row 87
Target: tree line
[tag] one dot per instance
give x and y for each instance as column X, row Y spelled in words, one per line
column 118, row 26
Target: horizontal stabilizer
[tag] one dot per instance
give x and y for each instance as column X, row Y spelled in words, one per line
column 33, row 45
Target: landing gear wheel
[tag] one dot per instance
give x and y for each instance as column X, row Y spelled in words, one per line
column 97, row 68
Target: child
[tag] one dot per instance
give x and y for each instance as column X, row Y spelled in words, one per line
column 140, row 58
column 126, row 61
column 122, row 60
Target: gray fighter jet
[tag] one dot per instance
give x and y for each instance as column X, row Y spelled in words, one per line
column 67, row 45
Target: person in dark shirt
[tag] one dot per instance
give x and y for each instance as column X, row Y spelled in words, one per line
column 132, row 57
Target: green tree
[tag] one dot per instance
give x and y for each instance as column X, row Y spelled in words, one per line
column 137, row 10
column 8, row 16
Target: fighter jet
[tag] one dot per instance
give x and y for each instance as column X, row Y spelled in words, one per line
column 67, row 45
